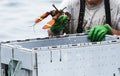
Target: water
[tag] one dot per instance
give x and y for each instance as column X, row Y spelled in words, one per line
column 16, row 17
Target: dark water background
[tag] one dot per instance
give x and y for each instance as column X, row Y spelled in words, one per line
column 16, row 17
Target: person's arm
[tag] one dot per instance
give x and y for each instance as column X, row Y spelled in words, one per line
column 115, row 32
column 98, row 32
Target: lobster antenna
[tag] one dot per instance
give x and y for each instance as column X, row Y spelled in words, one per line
column 34, row 27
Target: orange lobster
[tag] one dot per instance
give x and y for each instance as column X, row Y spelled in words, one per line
column 54, row 13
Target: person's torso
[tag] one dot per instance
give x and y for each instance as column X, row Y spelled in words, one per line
column 93, row 16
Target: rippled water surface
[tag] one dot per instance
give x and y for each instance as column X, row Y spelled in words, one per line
column 16, row 17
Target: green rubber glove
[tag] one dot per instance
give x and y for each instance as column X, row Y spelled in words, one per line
column 98, row 32
column 60, row 24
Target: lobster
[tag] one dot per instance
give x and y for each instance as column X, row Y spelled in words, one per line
column 54, row 13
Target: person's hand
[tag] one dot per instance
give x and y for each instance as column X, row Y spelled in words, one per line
column 51, row 34
column 98, row 32
column 60, row 24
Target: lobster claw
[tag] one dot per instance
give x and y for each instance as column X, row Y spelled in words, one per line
column 49, row 24
column 40, row 18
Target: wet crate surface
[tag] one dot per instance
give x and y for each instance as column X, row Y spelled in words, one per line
column 64, row 40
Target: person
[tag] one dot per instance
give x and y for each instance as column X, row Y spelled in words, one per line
column 94, row 21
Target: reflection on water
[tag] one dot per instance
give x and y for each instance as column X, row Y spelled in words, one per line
column 16, row 17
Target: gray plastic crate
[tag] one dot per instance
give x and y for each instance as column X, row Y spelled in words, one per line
column 69, row 55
